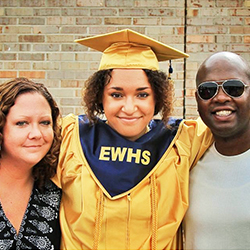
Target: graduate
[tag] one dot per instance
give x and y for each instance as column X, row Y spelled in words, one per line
column 124, row 174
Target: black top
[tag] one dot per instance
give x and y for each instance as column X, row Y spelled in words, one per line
column 40, row 227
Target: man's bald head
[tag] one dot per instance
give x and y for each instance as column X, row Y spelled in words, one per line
column 219, row 62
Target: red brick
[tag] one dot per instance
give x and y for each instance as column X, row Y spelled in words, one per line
column 8, row 74
column 247, row 39
column 117, row 21
column 33, row 74
column 31, row 38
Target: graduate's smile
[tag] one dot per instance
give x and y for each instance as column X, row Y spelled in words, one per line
column 129, row 120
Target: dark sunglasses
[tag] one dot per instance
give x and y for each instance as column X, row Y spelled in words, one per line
column 232, row 87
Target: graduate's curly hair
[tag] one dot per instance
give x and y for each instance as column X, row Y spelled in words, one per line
column 94, row 87
column 9, row 91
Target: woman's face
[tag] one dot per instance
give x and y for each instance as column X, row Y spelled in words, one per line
column 128, row 102
column 28, row 131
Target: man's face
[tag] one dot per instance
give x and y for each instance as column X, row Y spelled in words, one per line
column 226, row 116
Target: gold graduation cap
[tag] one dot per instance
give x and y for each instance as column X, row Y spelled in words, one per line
column 129, row 49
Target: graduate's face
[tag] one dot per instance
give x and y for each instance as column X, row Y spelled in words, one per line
column 128, row 102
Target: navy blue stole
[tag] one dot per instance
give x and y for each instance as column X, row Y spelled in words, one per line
column 120, row 164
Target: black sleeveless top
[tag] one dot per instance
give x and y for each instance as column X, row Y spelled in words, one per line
column 40, row 227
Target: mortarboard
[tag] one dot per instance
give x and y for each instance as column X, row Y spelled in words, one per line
column 129, row 49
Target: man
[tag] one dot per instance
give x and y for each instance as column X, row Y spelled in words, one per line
column 219, row 214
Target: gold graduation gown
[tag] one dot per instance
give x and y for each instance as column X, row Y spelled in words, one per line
column 145, row 217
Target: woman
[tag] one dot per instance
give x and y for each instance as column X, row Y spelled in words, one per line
column 30, row 142
column 125, row 179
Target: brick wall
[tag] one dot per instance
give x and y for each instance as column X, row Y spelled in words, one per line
column 37, row 39
column 214, row 25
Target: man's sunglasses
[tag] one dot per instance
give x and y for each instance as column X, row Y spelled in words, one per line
column 232, row 87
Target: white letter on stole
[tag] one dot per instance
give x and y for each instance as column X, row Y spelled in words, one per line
column 104, row 154
column 146, row 157
column 118, row 152
column 137, row 155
